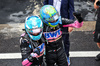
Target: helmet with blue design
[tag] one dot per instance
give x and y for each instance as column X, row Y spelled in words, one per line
column 50, row 16
column 34, row 27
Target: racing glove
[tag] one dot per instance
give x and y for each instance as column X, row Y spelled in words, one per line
column 76, row 24
column 98, row 3
column 78, row 16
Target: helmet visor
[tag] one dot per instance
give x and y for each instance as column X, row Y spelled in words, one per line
column 35, row 31
column 53, row 19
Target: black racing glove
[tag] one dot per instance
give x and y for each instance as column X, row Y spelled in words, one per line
column 78, row 16
column 98, row 3
column 34, row 55
column 36, row 50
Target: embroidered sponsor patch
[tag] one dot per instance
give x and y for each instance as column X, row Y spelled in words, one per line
column 53, row 35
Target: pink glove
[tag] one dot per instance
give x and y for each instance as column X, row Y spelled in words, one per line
column 76, row 24
column 26, row 62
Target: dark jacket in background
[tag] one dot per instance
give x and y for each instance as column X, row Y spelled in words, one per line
column 67, row 8
column 97, row 28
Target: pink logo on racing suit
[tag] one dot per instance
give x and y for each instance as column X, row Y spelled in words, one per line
column 53, row 36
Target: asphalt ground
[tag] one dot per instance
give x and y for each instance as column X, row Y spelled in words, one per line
column 81, row 44
column 12, row 15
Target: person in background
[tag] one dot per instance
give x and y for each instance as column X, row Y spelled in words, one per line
column 65, row 8
column 67, row 12
column 32, row 43
column 97, row 28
